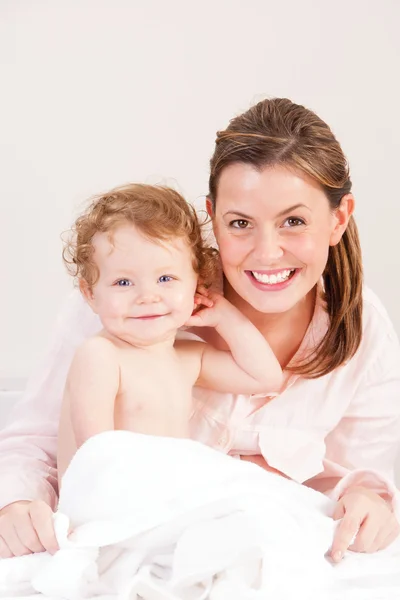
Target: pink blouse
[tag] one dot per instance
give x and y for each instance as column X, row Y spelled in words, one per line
column 330, row 432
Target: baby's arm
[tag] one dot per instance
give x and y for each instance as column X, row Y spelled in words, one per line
column 92, row 387
column 250, row 367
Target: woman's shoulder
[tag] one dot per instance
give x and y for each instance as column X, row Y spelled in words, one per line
column 379, row 347
column 376, row 319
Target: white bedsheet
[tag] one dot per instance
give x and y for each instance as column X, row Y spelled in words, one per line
column 164, row 519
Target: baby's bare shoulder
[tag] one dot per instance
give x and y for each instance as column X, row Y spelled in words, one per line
column 98, row 343
column 190, row 352
column 190, row 347
column 96, row 350
column 96, row 359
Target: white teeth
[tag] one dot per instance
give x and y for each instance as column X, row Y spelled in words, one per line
column 274, row 278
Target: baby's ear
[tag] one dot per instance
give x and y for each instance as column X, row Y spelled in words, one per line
column 200, row 284
column 202, row 287
column 87, row 292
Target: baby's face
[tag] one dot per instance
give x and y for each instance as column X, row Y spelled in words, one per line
column 145, row 290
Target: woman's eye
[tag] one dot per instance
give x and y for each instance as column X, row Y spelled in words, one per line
column 123, row 283
column 165, row 278
column 293, row 222
column 239, row 224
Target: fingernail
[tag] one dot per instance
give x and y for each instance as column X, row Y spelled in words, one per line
column 337, row 556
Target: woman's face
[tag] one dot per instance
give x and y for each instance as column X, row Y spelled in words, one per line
column 274, row 228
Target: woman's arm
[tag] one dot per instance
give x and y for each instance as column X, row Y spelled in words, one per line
column 362, row 449
column 361, row 453
column 28, row 444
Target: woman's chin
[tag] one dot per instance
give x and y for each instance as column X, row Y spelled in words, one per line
column 272, row 306
column 274, row 301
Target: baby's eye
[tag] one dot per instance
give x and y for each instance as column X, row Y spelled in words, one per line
column 165, row 278
column 293, row 222
column 239, row 224
column 123, row 283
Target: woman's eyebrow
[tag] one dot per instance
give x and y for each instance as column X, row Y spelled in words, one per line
column 280, row 214
column 237, row 214
column 291, row 208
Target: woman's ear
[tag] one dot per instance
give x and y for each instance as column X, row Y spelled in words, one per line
column 209, row 207
column 342, row 216
column 87, row 293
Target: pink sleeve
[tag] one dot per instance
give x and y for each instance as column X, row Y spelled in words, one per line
column 28, row 444
column 363, row 447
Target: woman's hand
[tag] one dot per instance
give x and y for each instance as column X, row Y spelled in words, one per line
column 26, row 527
column 367, row 518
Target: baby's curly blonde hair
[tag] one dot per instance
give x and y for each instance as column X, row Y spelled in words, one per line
column 159, row 213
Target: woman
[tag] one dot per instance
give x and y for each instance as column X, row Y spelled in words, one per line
column 281, row 207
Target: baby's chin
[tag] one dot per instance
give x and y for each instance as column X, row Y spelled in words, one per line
column 146, row 341
column 145, row 333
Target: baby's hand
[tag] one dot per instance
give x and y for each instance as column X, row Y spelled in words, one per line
column 208, row 308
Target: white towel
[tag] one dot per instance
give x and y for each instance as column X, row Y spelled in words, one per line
column 164, row 519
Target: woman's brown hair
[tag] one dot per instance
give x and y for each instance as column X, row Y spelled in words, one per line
column 278, row 132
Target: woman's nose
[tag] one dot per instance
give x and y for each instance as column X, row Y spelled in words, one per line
column 268, row 249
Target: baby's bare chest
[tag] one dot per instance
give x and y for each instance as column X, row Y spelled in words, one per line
column 155, row 386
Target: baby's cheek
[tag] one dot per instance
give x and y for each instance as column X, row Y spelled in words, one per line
column 185, row 300
column 116, row 305
column 184, row 304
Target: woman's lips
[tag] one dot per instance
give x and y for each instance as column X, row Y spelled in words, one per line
column 274, row 279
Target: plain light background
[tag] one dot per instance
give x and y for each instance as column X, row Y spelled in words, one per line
column 97, row 93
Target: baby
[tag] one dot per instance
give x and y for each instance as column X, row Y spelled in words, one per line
column 143, row 268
